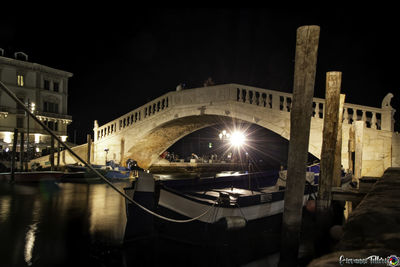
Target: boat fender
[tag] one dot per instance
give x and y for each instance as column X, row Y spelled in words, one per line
column 233, row 223
column 145, row 182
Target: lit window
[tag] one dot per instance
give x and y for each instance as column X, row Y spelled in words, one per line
column 20, row 80
column 37, row 138
column 7, row 137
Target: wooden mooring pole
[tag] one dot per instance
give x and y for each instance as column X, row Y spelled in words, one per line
column 51, row 153
column 21, row 151
column 330, row 158
column 58, row 155
column 300, row 119
column 329, row 142
column 89, row 148
column 13, row 154
column 338, row 152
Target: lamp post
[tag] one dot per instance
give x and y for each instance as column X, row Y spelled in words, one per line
column 224, row 136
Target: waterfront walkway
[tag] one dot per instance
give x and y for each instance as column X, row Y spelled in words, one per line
column 373, row 228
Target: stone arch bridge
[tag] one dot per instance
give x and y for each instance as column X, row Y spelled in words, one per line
column 146, row 132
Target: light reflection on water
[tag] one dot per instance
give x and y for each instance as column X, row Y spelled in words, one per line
column 74, row 224
column 57, row 224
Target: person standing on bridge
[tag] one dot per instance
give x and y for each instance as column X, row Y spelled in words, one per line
column 208, row 82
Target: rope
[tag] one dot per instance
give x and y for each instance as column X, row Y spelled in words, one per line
column 22, row 105
column 240, row 209
column 169, row 219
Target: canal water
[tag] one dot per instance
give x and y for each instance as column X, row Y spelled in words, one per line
column 79, row 224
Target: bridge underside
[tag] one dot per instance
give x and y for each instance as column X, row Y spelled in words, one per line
column 146, row 151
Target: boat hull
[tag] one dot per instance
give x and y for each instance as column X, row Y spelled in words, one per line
column 222, row 223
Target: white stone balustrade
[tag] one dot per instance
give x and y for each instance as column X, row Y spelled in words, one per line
column 374, row 118
column 132, row 118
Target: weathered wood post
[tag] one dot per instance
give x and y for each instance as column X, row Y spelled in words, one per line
column 89, row 147
column 21, row 152
column 338, row 153
column 300, row 119
column 52, row 154
column 13, row 153
column 351, row 149
column 58, row 155
column 329, row 142
column 359, row 133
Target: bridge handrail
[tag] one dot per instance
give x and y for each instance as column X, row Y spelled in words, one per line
column 375, row 118
column 133, row 117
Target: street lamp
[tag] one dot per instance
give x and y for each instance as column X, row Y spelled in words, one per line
column 224, row 135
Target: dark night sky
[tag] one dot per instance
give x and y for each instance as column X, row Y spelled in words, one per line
column 123, row 59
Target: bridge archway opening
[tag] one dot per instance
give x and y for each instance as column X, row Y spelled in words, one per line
column 265, row 149
column 149, row 147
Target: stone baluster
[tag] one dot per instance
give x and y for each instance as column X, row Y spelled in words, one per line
column 373, row 120
column 345, row 116
column 284, row 104
column 239, row 95
column 247, row 96
column 276, row 102
column 263, row 100
column 316, row 110
column 254, row 99
column 364, row 116
column 290, row 104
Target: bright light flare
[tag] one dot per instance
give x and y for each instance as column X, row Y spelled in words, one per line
column 237, row 139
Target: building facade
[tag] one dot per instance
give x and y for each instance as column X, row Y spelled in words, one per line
column 44, row 90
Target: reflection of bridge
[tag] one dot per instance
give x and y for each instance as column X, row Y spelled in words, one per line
column 144, row 133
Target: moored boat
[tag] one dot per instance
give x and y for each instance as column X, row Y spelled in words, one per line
column 212, row 209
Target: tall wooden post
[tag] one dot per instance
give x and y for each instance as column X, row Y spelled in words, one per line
column 52, row 154
column 13, row 153
column 359, row 133
column 300, row 119
column 351, row 148
column 89, row 146
column 21, row 152
column 329, row 143
column 338, row 153
column 58, row 155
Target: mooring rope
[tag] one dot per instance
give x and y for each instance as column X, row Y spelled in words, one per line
column 22, row 105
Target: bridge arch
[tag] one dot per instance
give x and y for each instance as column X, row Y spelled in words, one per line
column 152, row 128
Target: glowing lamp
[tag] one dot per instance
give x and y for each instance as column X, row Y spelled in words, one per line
column 237, row 139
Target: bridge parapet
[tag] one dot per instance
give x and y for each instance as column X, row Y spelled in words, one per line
column 132, row 118
column 374, row 118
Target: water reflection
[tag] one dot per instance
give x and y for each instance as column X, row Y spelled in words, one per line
column 58, row 224
column 4, row 207
column 73, row 224
column 29, row 243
